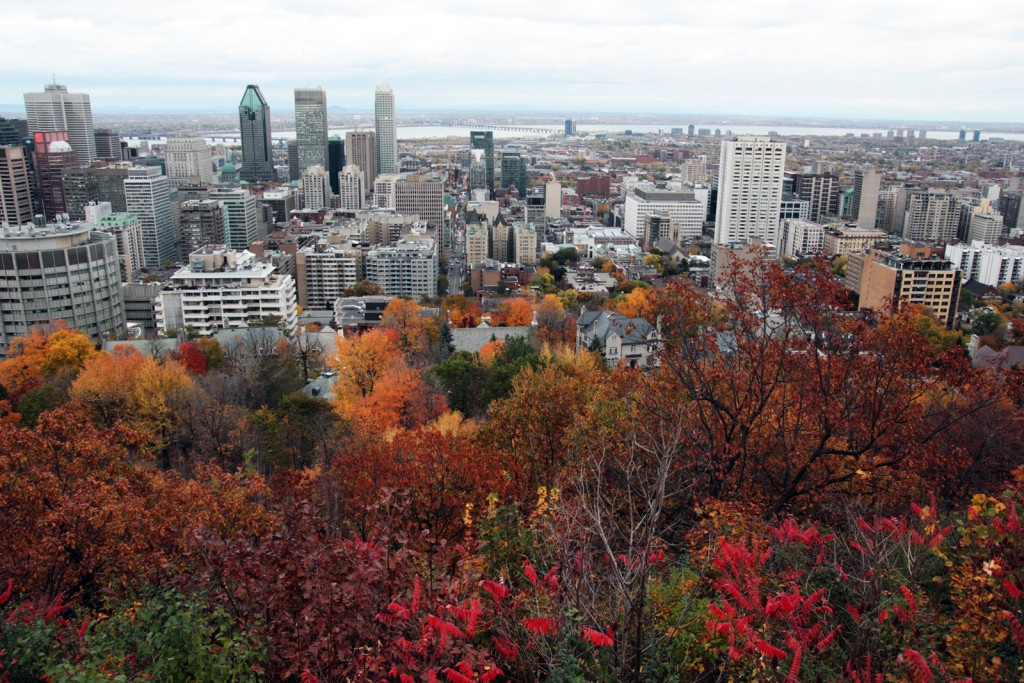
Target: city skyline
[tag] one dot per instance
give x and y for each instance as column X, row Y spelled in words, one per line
column 874, row 60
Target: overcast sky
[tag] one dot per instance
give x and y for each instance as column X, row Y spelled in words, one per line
column 914, row 59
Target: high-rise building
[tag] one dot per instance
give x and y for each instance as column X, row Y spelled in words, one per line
column 552, row 199
column 188, row 157
column 51, row 156
column 932, row 215
column 385, row 191
column 56, row 109
column 986, row 263
column 316, row 189
column 914, row 275
column 821, row 191
column 127, row 232
column 484, row 139
column 684, row 211
column 13, row 131
column 799, row 238
column 202, row 223
column 63, row 271
column 892, row 205
column 98, row 182
column 865, row 198
column 985, row 227
column 147, row 195
column 324, row 271
column 257, row 144
column 335, row 160
column 351, row 189
column 570, row 127
column 361, row 151
column 524, row 244
column 409, row 268
column 293, row 161
column 387, row 138
column 513, row 172
column 477, row 171
column 15, row 186
column 1011, row 205
column 108, row 145
column 240, row 222
column 977, row 136
column 749, row 189
column 421, row 195
column 222, row 289
column 311, row 127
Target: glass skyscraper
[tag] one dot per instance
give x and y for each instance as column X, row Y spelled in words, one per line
column 257, row 147
column 484, row 140
column 311, row 127
column 387, row 141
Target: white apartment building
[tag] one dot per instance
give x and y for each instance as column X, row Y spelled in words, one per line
column 226, row 289
column 524, row 244
column 186, row 157
column 985, row 227
column 323, row 271
column 477, row 239
column 749, row 189
column 409, row 268
column 799, row 238
column 351, row 189
column 986, row 263
column 316, row 188
column 385, row 189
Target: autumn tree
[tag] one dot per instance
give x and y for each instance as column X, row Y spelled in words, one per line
column 362, row 361
column 515, row 312
column 554, row 325
column 416, row 333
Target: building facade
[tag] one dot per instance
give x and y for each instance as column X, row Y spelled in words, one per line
column 257, row 143
column 202, row 223
column 384, row 126
column 324, row 271
column 311, row 127
column 986, row 263
column 913, row 275
column 866, row 186
column 147, row 196
column 127, row 232
column 683, row 208
column 64, row 271
column 800, row 238
column 409, row 268
column 749, row 189
column 361, row 151
column 15, row 186
column 484, row 139
column 240, row 220
column 56, row 109
column 351, row 189
column 316, row 189
column 421, row 195
column 932, row 215
column 188, row 157
column 51, row 156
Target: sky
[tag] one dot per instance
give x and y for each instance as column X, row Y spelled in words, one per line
column 929, row 60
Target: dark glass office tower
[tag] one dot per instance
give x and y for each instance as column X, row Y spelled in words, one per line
column 257, row 147
column 335, row 160
column 485, row 140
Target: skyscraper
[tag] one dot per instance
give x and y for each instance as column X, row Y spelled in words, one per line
column 866, row 185
column 361, row 151
column 749, row 189
column 335, row 160
column 257, row 147
column 188, row 156
column 147, row 195
column 311, row 127
column 513, row 171
column 387, row 141
column 52, row 155
column 15, row 186
column 932, row 215
column 56, row 109
column 95, row 183
column 484, row 140
column 108, row 144
column 477, row 171
column 570, row 127
column 240, row 222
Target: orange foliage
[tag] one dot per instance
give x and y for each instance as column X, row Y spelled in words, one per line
column 637, row 303
column 515, row 312
column 415, row 333
column 362, row 361
column 489, row 351
column 45, row 353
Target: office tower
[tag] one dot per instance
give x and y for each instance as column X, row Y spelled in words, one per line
column 1011, row 205
column 98, row 182
column 800, row 238
column 570, row 127
column 56, row 109
column 147, row 195
column 281, row 202
column 311, row 127
column 985, row 227
column 684, row 211
column 240, row 224
column 316, row 189
column 335, row 160
column 323, row 271
column 15, row 186
column 257, row 145
column 222, row 289
column 293, row 161
column 51, row 156
column 108, row 145
column 963, row 134
column 351, row 188
column 552, row 199
column 485, row 140
column 66, row 272
column 821, row 191
column 11, row 133
column 361, row 151
column 513, row 172
column 421, row 195
column 202, row 223
column 749, row 189
column 477, row 171
column 127, row 232
column 188, row 157
column 932, row 215
column 977, row 136
column 865, row 198
column 409, row 268
column 384, row 126
column 689, row 131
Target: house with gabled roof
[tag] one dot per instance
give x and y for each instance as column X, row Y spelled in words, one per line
column 631, row 342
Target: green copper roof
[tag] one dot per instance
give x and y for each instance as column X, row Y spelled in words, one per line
column 118, row 219
column 252, row 99
column 228, row 168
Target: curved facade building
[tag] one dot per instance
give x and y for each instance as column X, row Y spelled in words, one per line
column 64, row 271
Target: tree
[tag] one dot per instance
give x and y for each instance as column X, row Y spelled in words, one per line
column 363, row 288
column 415, row 333
column 554, row 325
column 362, row 361
column 461, row 378
column 515, row 312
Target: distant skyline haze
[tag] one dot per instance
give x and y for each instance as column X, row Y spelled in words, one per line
column 910, row 59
